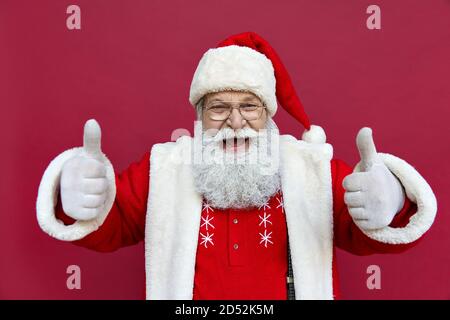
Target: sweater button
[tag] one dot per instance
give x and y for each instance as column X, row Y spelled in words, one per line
column 235, row 221
column 235, row 246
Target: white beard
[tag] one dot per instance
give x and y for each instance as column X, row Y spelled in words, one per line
column 238, row 180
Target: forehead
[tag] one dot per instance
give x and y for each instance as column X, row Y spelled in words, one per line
column 231, row 96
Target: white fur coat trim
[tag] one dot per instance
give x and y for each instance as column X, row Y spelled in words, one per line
column 172, row 223
column 308, row 204
column 48, row 196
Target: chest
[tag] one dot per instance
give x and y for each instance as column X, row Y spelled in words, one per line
column 243, row 238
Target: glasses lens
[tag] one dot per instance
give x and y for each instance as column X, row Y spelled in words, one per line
column 250, row 111
column 218, row 111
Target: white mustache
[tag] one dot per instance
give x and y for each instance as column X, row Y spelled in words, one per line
column 213, row 135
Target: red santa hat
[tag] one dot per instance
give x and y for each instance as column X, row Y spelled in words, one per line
column 247, row 62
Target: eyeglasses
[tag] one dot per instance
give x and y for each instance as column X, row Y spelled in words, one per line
column 221, row 110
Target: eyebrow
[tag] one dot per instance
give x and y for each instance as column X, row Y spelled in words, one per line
column 248, row 98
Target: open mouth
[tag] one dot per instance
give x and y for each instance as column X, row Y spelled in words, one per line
column 235, row 144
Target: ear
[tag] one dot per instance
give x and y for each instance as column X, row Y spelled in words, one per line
column 199, row 109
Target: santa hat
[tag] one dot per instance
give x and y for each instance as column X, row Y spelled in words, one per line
column 247, row 62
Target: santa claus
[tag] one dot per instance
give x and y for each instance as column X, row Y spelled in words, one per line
column 238, row 211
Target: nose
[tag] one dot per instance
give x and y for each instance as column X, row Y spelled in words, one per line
column 235, row 120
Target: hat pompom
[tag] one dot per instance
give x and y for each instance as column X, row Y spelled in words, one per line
column 315, row 134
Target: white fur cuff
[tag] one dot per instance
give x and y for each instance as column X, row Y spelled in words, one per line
column 48, row 195
column 418, row 191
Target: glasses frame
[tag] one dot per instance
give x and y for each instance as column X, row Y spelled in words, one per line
column 233, row 106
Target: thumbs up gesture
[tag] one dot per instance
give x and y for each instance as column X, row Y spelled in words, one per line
column 373, row 195
column 83, row 178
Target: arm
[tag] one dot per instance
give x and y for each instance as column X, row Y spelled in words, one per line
column 80, row 199
column 125, row 222
column 375, row 194
column 347, row 235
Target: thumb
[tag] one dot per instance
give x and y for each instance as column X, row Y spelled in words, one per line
column 92, row 138
column 366, row 148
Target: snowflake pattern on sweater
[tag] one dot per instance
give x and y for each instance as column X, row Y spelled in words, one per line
column 264, row 232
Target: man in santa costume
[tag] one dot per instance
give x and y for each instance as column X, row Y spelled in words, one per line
column 238, row 211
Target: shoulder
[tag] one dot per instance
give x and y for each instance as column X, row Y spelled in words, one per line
column 340, row 165
column 172, row 152
column 171, row 146
column 292, row 147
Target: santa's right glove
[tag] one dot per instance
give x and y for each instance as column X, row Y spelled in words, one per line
column 84, row 185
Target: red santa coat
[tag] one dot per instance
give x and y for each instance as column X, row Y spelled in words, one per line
column 167, row 214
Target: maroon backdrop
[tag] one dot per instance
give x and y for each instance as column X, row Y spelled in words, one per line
column 130, row 67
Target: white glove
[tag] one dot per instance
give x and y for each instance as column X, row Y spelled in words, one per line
column 83, row 179
column 374, row 195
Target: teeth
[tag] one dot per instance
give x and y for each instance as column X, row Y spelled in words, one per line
column 236, row 142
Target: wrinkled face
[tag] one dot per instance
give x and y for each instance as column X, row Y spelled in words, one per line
column 247, row 112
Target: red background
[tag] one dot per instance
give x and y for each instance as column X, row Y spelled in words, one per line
column 130, row 67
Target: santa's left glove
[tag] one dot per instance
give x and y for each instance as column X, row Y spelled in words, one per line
column 374, row 195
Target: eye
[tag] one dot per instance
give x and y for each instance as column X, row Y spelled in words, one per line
column 249, row 107
column 218, row 108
